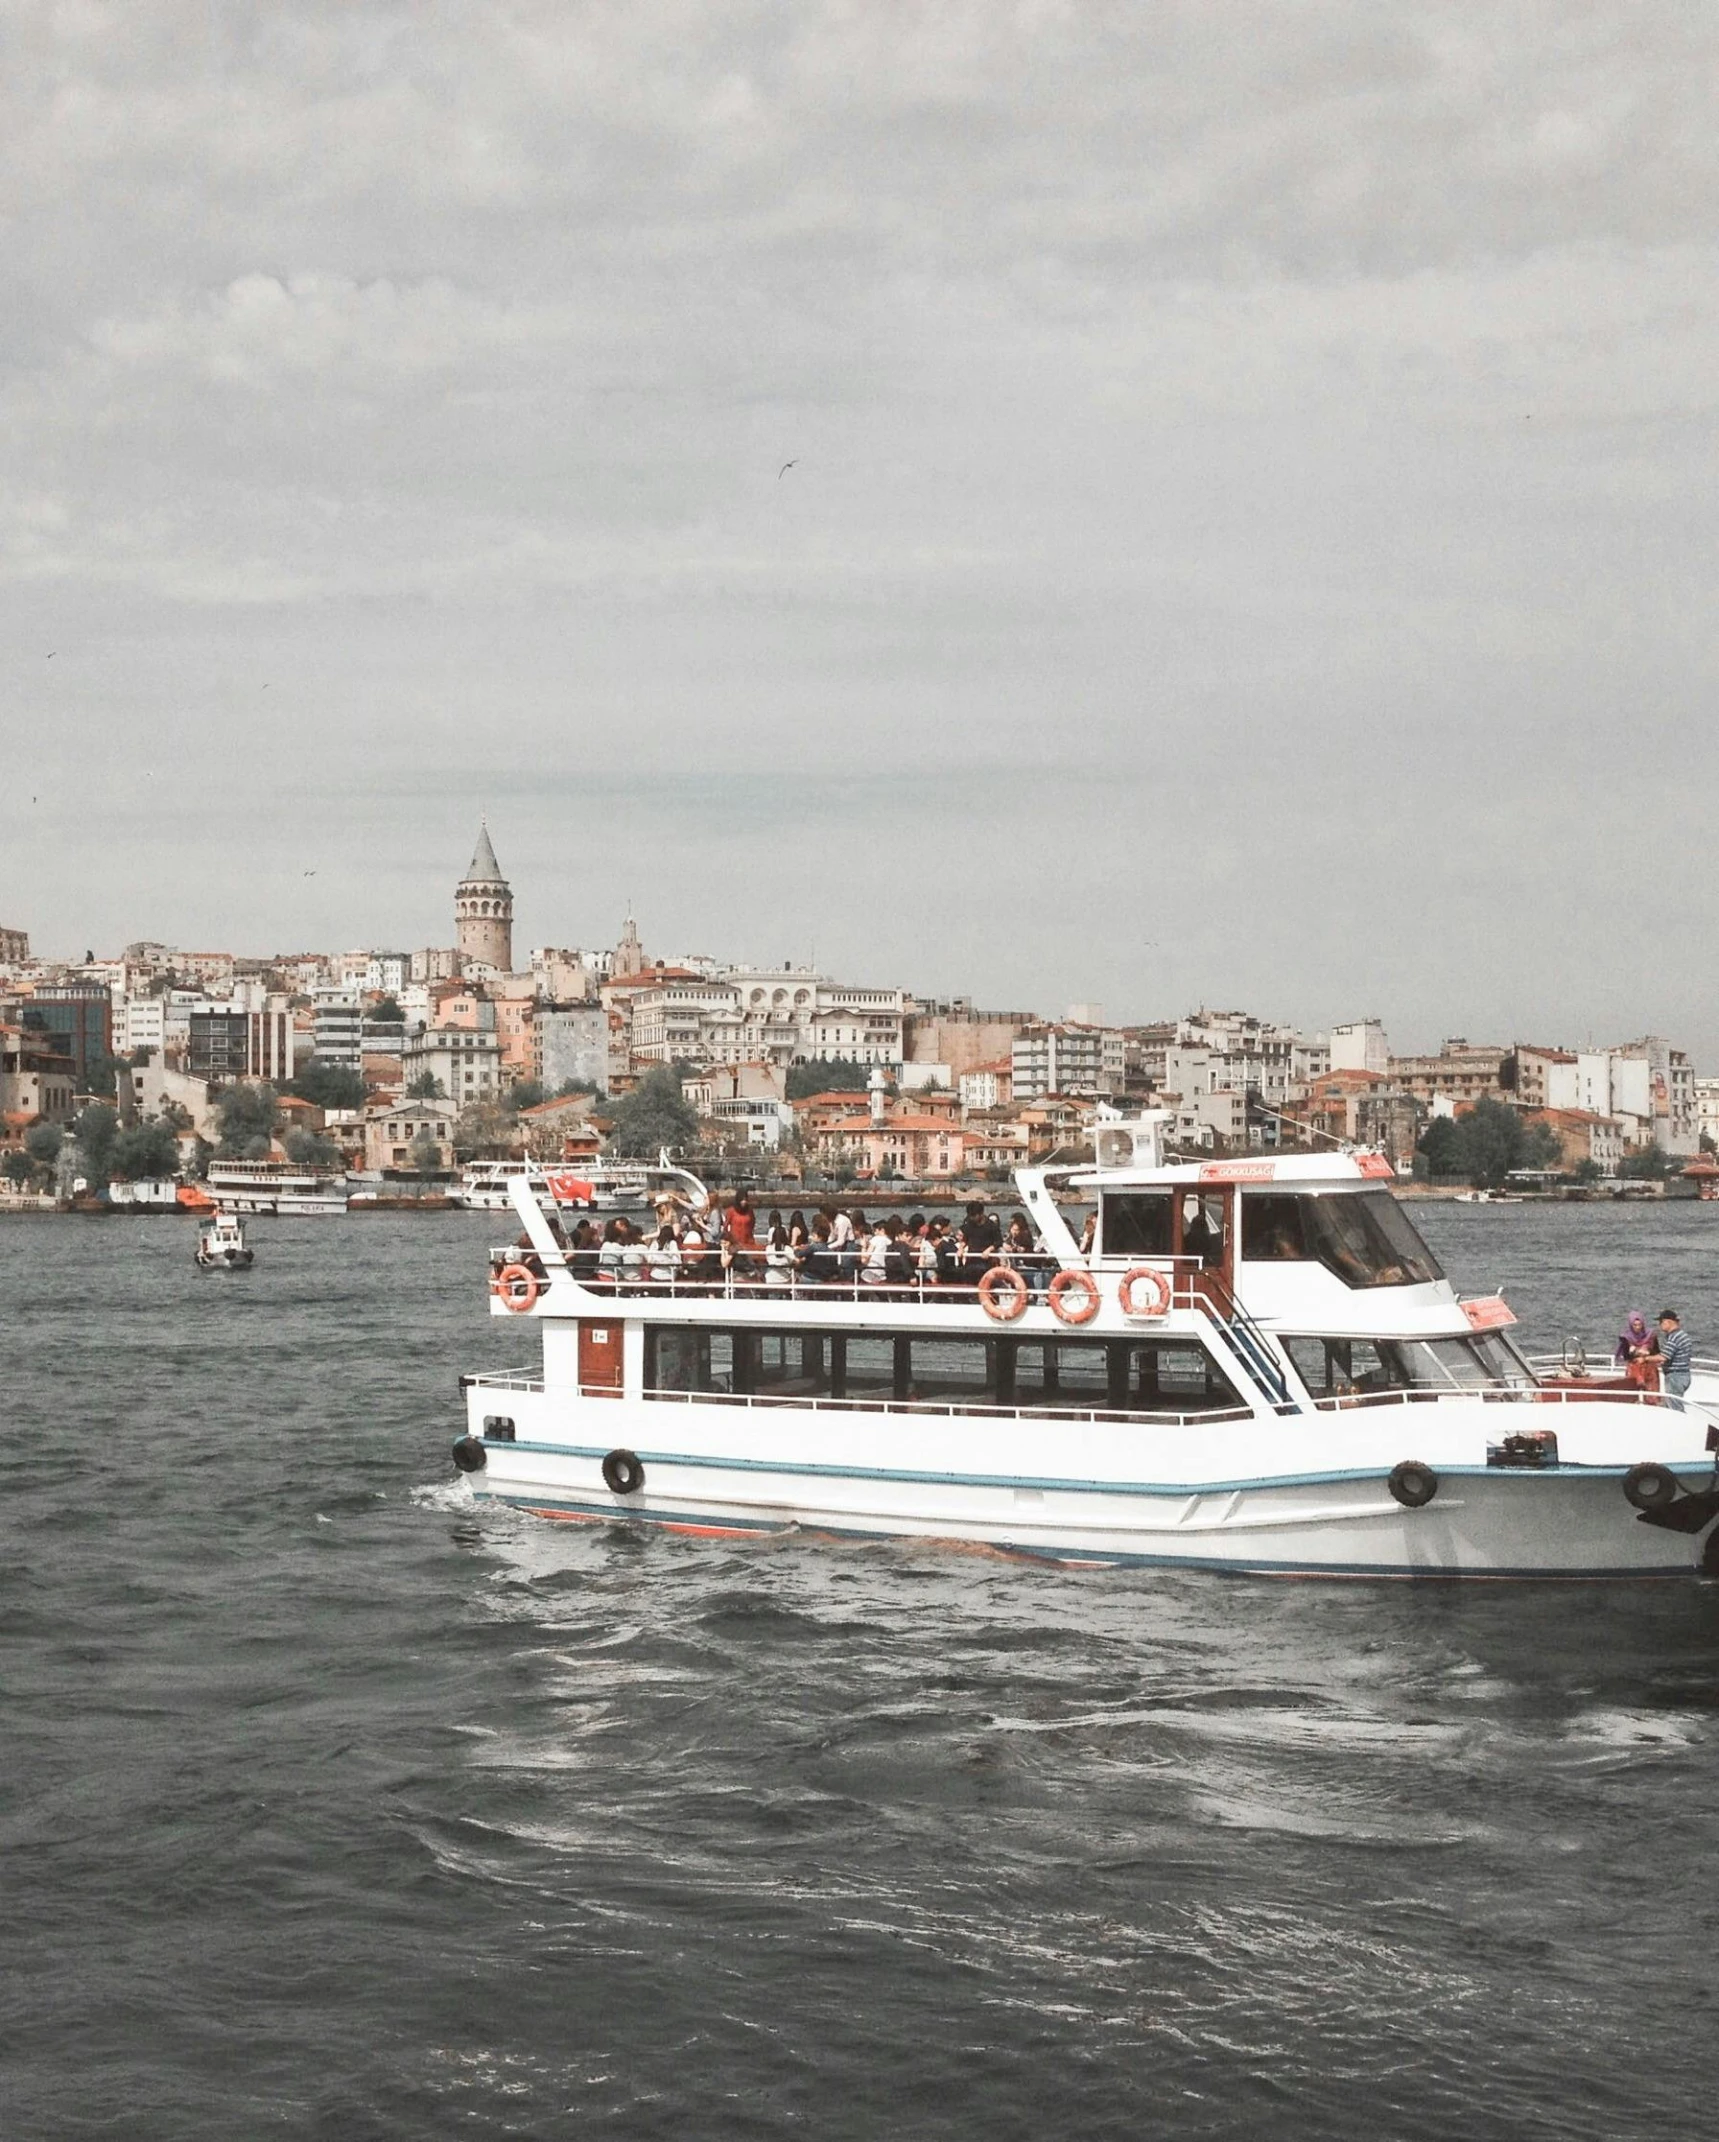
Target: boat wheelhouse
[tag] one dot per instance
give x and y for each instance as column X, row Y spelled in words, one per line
column 1257, row 1364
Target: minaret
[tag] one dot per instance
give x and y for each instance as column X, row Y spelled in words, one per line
column 483, row 910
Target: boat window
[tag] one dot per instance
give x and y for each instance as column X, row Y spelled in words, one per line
column 1055, row 1375
column 1136, row 1223
column 1271, row 1227
column 788, row 1364
column 1368, row 1240
column 681, row 1358
column 1203, row 1225
column 953, row 1368
column 1335, row 1368
column 1125, row 1376
column 869, row 1369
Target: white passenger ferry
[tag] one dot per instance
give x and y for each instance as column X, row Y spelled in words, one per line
column 1258, row 1365
column 275, row 1186
column 593, row 1186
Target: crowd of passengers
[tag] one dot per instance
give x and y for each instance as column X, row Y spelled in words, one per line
column 728, row 1246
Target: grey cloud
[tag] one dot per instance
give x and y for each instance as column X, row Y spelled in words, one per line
column 1246, row 459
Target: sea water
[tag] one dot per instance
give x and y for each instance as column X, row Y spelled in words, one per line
column 334, row 1806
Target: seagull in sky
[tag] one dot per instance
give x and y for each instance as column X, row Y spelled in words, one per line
column 786, row 466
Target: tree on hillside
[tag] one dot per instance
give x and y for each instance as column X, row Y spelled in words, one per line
column 388, row 1012
column 1440, row 1146
column 484, row 1130
column 42, row 1141
column 426, row 1087
column 247, row 1117
column 840, row 1075
column 17, row 1166
column 1649, row 1165
column 653, row 1115
column 96, row 1129
column 326, row 1085
column 426, row 1154
column 309, row 1149
column 145, row 1150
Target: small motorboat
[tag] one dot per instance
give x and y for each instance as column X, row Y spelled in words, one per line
column 221, row 1245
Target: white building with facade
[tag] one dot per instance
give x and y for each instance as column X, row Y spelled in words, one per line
column 1068, row 1059
column 465, row 1063
column 339, row 1028
column 1360, row 1045
column 781, row 1015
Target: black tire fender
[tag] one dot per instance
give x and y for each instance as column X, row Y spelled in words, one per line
column 622, row 1473
column 1650, row 1487
column 1413, row 1484
column 470, row 1455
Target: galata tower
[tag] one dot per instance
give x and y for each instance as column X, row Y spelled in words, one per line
column 483, row 910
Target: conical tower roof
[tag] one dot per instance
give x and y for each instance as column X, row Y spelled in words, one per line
column 485, row 870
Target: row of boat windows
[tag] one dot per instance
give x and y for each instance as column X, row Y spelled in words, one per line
column 1333, row 1367
column 1364, row 1237
column 1051, row 1375
column 1041, row 1375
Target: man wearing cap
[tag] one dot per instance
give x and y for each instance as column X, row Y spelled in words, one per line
column 1674, row 1354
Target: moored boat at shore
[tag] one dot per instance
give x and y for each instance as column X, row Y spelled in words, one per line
column 585, row 1186
column 273, row 1186
column 1256, row 1365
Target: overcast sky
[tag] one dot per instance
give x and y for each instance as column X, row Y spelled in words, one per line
column 1250, row 537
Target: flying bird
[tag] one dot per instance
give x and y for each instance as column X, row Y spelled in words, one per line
column 56, row 650
column 310, row 873
column 786, row 466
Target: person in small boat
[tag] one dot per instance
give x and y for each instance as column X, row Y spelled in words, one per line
column 1676, row 1353
column 1637, row 1352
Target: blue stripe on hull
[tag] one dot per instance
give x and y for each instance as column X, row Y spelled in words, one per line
column 801, row 1467
column 1064, row 1557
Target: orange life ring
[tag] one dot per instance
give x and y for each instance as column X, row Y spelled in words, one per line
column 518, row 1287
column 1081, row 1284
column 1003, row 1293
column 1144, row 1275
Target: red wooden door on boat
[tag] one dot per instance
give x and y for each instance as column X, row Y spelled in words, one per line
column 600, row 1359
column 1205, row 1228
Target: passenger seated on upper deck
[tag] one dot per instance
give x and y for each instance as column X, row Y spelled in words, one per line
column 582, row 1253
column 612, row 1257
column 980, row 1241
column 662, row 1259
column 820, row 1263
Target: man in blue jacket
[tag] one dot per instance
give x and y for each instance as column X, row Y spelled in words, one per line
column 1675, row 1353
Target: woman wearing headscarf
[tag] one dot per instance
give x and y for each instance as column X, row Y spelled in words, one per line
column 1637, row 1352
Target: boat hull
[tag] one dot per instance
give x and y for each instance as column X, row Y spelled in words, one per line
column 1567, row 1521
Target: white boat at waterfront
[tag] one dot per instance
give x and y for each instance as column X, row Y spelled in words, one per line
column 589, row 1186
column 275, row 1186
column 221, row 1245
column 1259, row 1365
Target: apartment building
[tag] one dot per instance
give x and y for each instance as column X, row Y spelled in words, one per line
column 1067, row 1059
column 464, row 1061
